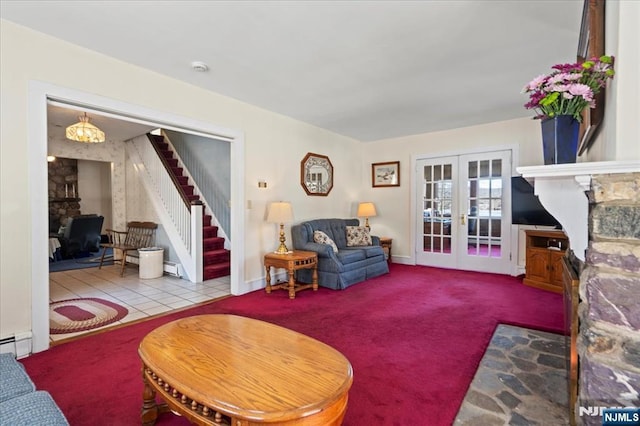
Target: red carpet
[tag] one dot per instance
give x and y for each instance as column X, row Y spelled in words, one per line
column 414, row 337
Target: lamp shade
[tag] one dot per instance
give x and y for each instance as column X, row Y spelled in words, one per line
column 83, row 131
column 280, row 212
column 366, row 210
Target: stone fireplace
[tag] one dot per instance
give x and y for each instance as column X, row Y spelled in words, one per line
column 63, row 192
column 598, row 205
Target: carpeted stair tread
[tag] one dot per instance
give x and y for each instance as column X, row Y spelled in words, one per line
column 209, row 231
column 213, row 243
column 182, row 180
column 206, row 220
column 172, row 162
column 211, row 257
column 188, row 189
column 217, row 270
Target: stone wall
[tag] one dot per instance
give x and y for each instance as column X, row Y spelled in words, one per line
column 609, row 310
column 63, row 192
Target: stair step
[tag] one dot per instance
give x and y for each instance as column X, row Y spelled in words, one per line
column 215, row 271
column 188, row 189
column 216, row 259
column 209, row 231
column 213, row 257
column 214, row 243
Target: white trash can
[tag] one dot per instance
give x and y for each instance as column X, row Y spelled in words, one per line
column 151, row 262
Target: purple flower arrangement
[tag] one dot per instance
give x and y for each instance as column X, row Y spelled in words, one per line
column 569, row 89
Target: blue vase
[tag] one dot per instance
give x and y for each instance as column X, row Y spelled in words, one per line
column 560, row 139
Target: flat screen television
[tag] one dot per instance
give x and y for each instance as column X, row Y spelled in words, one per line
column 525, row 206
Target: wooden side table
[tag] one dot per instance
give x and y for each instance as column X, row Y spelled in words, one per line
column 386, row 244
column 292, row 261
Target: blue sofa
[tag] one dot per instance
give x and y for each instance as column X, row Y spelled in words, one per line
column 350, row 265
column 20, row 403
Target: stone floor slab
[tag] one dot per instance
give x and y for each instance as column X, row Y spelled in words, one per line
column 528, row 384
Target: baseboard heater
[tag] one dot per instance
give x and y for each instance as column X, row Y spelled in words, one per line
column 19, row 344
column 170, row 268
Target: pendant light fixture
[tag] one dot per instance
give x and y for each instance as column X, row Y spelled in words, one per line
column 83, row 131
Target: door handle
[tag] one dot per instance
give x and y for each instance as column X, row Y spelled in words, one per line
column 463, row 218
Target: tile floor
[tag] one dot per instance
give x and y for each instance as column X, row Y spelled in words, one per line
column 143, row 298
column 521, row 380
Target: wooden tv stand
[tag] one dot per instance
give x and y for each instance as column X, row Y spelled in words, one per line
column 545, row 251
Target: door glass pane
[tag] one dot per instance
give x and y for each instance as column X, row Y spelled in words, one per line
column 427, row 174
column 496, row 168
column 484, row 168
column 447, row 171
column 438, row 199
column 473, row 169
column 485, row 208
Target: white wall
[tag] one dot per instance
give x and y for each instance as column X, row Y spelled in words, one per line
column 274, row 146
column 393, row 204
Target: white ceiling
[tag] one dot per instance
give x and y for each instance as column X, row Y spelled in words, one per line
column 366, row 69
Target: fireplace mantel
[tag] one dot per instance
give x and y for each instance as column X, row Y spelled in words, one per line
column 561, row 190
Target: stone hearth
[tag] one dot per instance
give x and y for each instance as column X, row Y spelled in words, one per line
column 521, row 380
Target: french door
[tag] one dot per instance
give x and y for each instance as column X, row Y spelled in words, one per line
column 463, row 216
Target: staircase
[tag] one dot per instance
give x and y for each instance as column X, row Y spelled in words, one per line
column 216, row 259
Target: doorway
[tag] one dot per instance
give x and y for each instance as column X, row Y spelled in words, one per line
column 40, row 94
column 463, row 215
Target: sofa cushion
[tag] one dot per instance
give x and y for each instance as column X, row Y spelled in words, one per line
column 32, row 409
column 14, row 381
column 322, row 238
column 350, row 256
column 358, row 236
column 369, row 251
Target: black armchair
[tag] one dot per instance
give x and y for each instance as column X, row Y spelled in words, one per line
column 81, row 234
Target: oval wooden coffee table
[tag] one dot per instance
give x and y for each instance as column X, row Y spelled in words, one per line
column 231, row 370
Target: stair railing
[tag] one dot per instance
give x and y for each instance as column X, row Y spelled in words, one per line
column 214, row 206
column 182, row 222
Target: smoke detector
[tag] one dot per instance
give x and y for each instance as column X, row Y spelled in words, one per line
column 199, row 66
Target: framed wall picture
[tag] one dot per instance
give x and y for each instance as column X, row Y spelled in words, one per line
column 385, row 174
column 591, row 45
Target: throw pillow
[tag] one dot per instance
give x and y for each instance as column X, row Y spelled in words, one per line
column 358, row 236
column 322, row 238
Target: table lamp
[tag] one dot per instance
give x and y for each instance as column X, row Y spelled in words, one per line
column 280, row 212
column 367, row 210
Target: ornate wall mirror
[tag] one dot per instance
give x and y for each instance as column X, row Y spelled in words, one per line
column 316, row 174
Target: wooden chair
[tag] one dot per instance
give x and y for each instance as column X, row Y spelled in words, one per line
column 138, row 235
